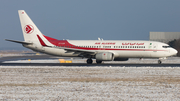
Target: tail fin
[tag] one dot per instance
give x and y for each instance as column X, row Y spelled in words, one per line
column 30, row 31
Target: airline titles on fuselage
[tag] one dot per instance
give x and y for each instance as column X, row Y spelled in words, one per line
column 132, row 43
column 113, row 43
column 105, row 43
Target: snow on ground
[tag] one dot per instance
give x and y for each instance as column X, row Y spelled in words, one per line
column 89, row 83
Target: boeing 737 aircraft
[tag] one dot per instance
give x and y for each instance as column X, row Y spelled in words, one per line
column 101, row 50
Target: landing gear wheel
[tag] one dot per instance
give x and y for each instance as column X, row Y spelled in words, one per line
column 98, row 62
column 159, row 61
column 89, row 61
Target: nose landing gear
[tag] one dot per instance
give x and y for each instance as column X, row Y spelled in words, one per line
column 159, row 61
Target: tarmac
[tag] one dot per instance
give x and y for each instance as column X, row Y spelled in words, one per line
column 94, row 65
column 10, row 58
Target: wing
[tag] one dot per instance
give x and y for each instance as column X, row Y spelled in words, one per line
column 79, row 51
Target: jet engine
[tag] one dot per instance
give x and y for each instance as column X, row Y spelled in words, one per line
column 104, row 56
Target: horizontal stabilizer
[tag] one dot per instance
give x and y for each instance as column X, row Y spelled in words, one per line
column 21, row 42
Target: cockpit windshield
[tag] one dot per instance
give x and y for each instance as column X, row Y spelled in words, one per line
column 166, row 46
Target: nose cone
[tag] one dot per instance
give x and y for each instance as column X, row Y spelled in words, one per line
column 173, row 51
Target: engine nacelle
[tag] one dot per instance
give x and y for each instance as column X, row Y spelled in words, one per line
column 104, row 56
column 121, row 59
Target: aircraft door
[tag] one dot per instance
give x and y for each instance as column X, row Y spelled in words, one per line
column 155, row 45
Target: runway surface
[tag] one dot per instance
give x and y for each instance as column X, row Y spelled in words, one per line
column 11, row 58
column 94, row 65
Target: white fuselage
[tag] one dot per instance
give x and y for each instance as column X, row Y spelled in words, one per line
column 123, row 49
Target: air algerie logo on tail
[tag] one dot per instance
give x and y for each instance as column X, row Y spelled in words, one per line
column 28, row 29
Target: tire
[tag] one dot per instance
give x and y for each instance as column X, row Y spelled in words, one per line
column 89, row 61
column 159, row 61
column 98, row 62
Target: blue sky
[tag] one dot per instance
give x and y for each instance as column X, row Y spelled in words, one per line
column 89, row 19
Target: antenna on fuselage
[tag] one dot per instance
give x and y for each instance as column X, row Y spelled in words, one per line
column 99, row 38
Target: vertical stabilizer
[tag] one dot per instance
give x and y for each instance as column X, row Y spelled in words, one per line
column 30, row 30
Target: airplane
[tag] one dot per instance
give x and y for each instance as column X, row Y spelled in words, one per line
column 101, row 50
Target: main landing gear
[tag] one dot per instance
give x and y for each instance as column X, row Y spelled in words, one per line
column 89, row 61
column 98, row 62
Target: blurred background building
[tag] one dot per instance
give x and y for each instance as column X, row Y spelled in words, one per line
column 171, row 38
column 165, row 37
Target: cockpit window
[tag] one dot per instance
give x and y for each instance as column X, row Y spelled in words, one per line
column 166, row 46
